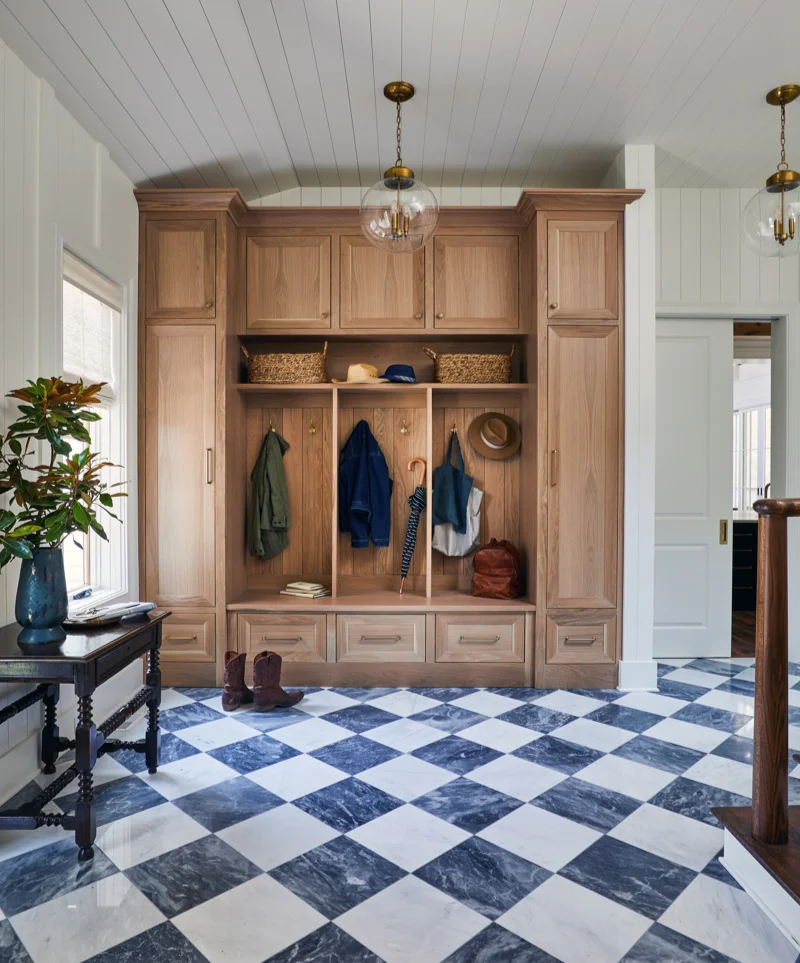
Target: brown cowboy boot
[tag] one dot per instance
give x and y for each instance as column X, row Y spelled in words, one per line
column 235, row 693
column 267, row 691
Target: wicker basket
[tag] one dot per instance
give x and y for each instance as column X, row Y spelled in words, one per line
column 471, row 369
column 287, row 369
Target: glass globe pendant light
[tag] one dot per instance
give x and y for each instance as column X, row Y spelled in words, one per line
column 399, row 213
column 771, row 219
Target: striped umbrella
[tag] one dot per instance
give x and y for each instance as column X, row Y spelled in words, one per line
column 416, row 503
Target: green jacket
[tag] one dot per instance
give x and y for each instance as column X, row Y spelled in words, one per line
column 268, row 519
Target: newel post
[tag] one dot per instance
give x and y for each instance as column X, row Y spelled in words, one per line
column 771, row 736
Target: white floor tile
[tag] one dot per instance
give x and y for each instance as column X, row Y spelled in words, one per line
column 570, row 702
column 214, row 735
column 409, row 837
column 595, row 735
column 517, row 778
column 747, row 675
column 728, row 774
column 405, row 735
column 147, row 834
column 675, row 662
column 687, row 734
column 726, row 919
column 732, row 701
column 276, row 836
column 188, row 775
column 172, row 699
column 627, row 777
column 406, row 777
column 687, row 842
column 404, row 703
column 499, row 735
column 16, row 842
column 249, row 923
column 297, row 777
column 85, row 922
column 325, row 700
column 706, row 680
column 106, row 769
column 574, row 924
column 411, row 922
column 794, row 697
column 215, row 703
column 310, row 735
column 540, row 836
column 487, row 703
column 660, row 705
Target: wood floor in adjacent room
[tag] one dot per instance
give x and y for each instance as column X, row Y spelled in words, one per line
column 743, row 635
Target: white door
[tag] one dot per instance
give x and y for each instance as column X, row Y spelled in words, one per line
column 694, row 484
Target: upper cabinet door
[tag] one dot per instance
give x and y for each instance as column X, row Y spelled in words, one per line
column 378, row 289
column 583, row 447
column 582, row 269
column 476, row 281
column 180, row 268
column 288, row 282
column 179, row 480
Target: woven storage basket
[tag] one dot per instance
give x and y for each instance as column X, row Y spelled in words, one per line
column 471, row 369
column 287, row 369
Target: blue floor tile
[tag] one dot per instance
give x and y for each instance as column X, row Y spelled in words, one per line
column 680, row 690
column 448, row 718
column 348, row 804
column 172, row 749
column 695, row 799
column 362, row 693
column 269, row 721
column 360, row 718
column 566, row 757
column 467, row 804
column 634, row 720
column 739, row 686
column 497, row 945
column 251, row 754
column 442, row 694
column 712, row 718
column 11, row 948
column 200, row 693
column 227, row 803
column 355, row 755
column 537, row 718
column 162, row 944
column 717, row 871
column 328, row 944
column 582, row 802
column 662, row 945
column 456, row 755
column 659, row 754
column 181, row 717
column 715, row 666
column 117, row 799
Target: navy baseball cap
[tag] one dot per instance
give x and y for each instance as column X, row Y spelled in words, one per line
column 400, row 372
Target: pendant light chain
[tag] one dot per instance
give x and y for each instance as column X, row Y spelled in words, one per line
column 783, row 166
column 399, row 158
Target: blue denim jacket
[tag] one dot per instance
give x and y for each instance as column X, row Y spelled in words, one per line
column 365, row 490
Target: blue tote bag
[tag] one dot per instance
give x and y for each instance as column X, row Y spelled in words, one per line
column 451, row 488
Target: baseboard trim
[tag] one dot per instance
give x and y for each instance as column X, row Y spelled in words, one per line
column 641, row 675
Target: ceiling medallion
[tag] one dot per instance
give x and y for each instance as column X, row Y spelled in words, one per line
column 399, row 213
column 771, row 218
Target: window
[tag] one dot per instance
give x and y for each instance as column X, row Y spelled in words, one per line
column 92, row 314
column 751, row 457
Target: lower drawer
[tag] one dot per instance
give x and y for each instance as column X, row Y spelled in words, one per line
column 582, row 637
column 189, row 637
column 380, row 638
column 296, row 638
column 480, row 638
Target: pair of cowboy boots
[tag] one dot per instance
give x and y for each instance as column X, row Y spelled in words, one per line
column 266, row 693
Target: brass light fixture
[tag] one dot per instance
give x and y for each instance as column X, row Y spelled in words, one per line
column 771, row 219
column 399, row 213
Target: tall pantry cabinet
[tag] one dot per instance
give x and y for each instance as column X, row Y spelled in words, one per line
column 542, row 281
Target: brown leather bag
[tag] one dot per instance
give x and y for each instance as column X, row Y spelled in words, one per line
column 497, row 571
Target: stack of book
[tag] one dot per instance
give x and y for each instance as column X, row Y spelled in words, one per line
column 306, row 590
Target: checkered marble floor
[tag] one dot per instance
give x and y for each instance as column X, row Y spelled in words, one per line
column 412, row 826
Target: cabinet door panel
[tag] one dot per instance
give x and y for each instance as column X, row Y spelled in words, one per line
column 378, row 289
column 582, row 270
column 476, row 281
column 584, row 466
column 582, row 638
column 288, row 282
column 178, row 513
column 180, row 267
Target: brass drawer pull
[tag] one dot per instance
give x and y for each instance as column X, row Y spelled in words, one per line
column 574, row 640
column 380, row 638
column 554, row 467
column 181, row 638
column 209, row 466
column 287, row 641
column 487, row 640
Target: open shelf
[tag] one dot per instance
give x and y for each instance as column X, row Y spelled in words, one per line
column 327, row 387
column 255, row 600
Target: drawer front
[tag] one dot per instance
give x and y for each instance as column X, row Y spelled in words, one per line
column 296, row 638
column 480, row 638
column 189, row 637
column 582, row 637
column 380, row 638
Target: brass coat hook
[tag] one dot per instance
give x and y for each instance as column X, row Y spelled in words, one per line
column 312, row 429
column 404, row 429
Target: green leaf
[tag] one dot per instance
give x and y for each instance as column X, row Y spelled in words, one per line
column 98, row 528
column 107, row 500
column 7, row 519
column 24, row 530
column 15, row 446
column 81, row 516
column 5, row 557
column 19, row 547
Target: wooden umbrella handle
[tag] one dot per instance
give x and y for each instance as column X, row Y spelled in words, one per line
column 418, row 461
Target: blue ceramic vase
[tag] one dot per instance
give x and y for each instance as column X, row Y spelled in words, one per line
column 41, row 605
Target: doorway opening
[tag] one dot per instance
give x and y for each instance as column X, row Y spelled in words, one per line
column 752, row 464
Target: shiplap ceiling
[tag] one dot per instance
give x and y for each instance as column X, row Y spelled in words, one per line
column 267, row 95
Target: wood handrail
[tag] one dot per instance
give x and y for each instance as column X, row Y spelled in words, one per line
column 771, row 725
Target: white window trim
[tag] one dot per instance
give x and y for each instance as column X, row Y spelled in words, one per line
column 118, row 577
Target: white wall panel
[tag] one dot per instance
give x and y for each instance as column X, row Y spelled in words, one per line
column 56, row 182
column 351, row 196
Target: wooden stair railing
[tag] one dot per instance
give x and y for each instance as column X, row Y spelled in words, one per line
column 770, row 814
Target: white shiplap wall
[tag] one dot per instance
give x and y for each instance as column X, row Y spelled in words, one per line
column 700, row 255
column 57, row 185
column 351, row 196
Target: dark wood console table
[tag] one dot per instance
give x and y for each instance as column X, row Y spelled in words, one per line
column 87, row 658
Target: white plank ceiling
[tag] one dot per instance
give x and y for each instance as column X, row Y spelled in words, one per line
column 269, row 95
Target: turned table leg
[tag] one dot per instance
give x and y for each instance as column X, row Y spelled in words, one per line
column 152, row 739
column 50, row 738
column 85, row 758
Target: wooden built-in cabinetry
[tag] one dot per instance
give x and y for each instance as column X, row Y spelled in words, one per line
column 543, row 278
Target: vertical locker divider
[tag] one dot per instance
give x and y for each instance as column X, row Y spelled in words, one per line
column 428, row 492
column 335, row 493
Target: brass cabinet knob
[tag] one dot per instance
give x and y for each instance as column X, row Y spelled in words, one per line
column 440, row 315
column 324, row 314
column 554, row 305
column 418, row 315
column 209, row 304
